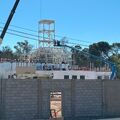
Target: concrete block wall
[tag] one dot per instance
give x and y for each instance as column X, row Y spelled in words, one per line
column 56, row 86
column 30, row 99
column 79, row 98
column 2, row 98
column 20, row 99
column 88, row 98
column 111, row 98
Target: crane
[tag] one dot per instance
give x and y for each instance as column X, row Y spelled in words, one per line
column 9, row 20
column 111, row 64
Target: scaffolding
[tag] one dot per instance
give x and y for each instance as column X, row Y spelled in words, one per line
column 46, row 51
column 46, row 33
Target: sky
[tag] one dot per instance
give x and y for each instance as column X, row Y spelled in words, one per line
column 87, row 21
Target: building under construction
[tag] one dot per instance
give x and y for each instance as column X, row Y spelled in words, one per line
column 56, row 99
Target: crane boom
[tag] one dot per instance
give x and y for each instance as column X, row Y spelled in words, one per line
column 112, row 65
column 9, row 20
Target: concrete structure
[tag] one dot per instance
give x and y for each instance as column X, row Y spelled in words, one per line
column 74, row 74
column 30, row 99
column 57, row 71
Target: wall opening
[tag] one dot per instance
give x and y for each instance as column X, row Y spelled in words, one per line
column 56, row 104
column 74, row 77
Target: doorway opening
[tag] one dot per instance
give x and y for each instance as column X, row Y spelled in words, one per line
column 56, row 104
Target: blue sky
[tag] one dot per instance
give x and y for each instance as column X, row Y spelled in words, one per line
column 87, row 20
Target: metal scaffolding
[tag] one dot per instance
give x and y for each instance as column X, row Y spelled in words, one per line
column 46, row 33
column 46, row 51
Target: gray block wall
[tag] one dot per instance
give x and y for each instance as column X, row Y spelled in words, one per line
column 0, row 93
column 88, row 98
column 30, row 99
column 21, row 99
column 2, row 98
column 111, row 98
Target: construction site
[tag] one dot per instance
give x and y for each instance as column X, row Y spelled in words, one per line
column 53, row 83
column 57, row 93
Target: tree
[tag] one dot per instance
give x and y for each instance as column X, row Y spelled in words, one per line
column 76, row 55
column 7, row 53
column 115, row 49
column 115, row 56
column 79, row 58
column 85, row 58
column 0, row 54
column 23, row 49
column 116, row 59
column 100, row 49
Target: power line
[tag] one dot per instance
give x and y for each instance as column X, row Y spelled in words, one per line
column 21, row 32
column 20, row 35
column 59, row 36
column 78, row 44
column 28, row 36
column 27, row 29
column 73, row 39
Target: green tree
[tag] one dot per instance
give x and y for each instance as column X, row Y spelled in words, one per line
column 115, row 56
column 7, row 52
column 85, row 58
column 116, row 60
column 100, row 49
column 76, row 55
column 115, row 49
column 23, row 49
column 79, row 58
column 1, row 54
